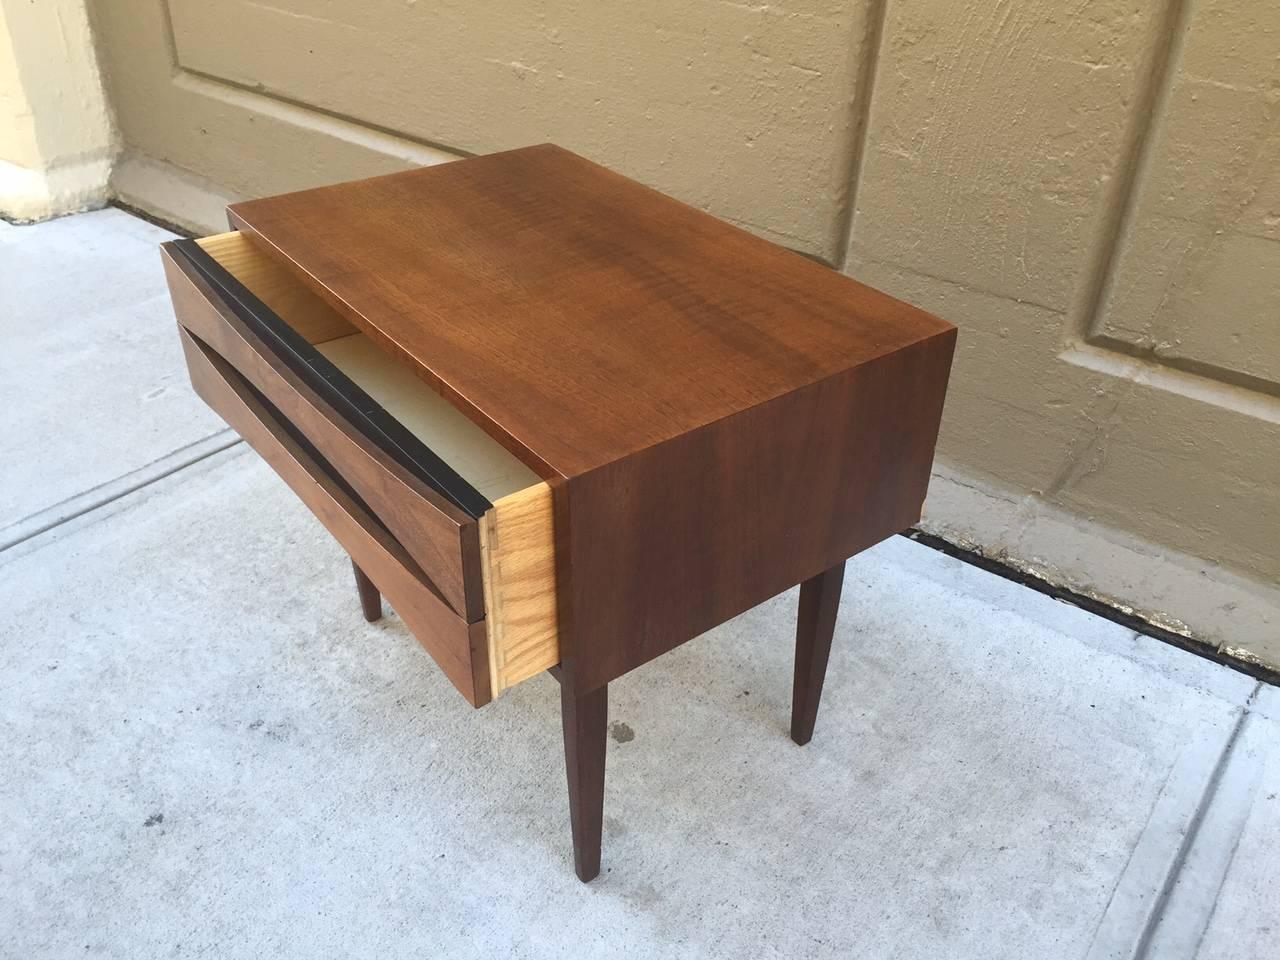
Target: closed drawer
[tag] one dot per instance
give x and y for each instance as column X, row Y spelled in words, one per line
column 455, row 531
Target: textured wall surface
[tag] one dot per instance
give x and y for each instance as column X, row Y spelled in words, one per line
column 17, row 126
column 56, row 137
column 1089, row 192
column 740, row 107
column 1093, row 199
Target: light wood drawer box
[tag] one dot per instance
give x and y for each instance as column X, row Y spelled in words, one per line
column 453, row 529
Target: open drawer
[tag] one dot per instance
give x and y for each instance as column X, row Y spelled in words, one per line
column 454, row 530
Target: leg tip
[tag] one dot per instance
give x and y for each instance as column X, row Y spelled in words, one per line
column 801, row 737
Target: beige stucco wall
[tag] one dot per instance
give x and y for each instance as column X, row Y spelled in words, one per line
column 17, row 126
column 56, row 137
column 1090, row 193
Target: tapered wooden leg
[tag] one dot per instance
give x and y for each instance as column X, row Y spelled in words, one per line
column 585, row 717
column 819, row 599
column 370, row 598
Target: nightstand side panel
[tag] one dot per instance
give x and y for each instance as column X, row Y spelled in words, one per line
column 679, row 538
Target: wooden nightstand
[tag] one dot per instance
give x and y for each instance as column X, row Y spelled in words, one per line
column 561, row 421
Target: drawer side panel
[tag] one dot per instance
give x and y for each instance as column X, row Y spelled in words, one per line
column 517, row 547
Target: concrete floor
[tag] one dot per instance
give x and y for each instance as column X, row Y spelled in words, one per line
column 208, row 752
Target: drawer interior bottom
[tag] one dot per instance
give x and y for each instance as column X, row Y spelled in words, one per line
column 478, row 458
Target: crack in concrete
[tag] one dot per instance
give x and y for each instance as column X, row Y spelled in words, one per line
column 1156, row 915
column 1086, row 452
column 95, row 498
column 1136, row 907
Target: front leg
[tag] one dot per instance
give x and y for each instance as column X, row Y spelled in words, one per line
column 819, row 601
column 585, row 717
column 370, row 598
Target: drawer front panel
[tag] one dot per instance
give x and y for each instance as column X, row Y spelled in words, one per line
column 458, row 647
column 441, row 537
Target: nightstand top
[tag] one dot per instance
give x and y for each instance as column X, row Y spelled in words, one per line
column 578, row 316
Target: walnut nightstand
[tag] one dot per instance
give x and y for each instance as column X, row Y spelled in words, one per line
column 561, row 421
